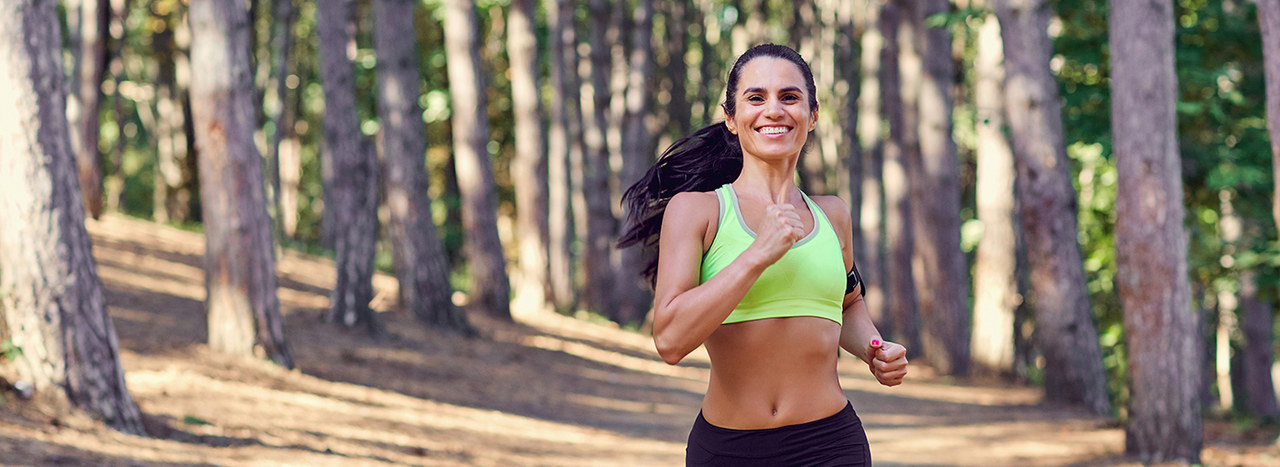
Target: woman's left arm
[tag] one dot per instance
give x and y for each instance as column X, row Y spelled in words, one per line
column 858, row 334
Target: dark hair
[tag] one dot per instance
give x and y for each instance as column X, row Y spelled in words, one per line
column 702, row 161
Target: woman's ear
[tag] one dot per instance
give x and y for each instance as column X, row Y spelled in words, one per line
column 814, row 122
column 729, row 123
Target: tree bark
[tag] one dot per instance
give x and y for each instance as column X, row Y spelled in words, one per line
column 873, row 261
column 634, row 298
column 1047, row 204
column 354, row 187
column 421, row 266
column 171, row 200
column 899, row 244
column 1269, row 21
column 995, row 280
column 94, row 34
column 1257, row 324
column 490, row 289
column 529, row 166
column 1151, row 246
column 563, row 136
column 239, row 262
column 51, row 301
column 944, row 307
column 594, row 191
column 284, row 113
column 845, row 33
column 680, row 15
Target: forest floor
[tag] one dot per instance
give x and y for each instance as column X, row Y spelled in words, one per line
column 543, row 390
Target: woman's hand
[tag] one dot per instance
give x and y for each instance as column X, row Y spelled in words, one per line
column 888, row 362
column 779, row 230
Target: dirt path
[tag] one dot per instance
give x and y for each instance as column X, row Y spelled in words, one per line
column 546, row 390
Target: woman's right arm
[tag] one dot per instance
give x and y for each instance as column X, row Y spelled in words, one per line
column 685, row 312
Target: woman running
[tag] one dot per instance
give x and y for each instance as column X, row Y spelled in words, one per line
column 762, row 275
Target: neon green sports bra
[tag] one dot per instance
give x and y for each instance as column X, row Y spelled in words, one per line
column 808, row 280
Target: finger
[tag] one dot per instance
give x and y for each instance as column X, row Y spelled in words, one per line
column 875, row 344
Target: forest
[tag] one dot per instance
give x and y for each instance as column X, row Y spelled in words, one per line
column 1069, row 196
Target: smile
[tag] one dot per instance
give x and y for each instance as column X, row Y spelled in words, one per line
column 773, row 130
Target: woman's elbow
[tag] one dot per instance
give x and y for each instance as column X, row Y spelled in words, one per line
column 669, row 352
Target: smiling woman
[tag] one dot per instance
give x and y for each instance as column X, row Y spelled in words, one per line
column 761, row 274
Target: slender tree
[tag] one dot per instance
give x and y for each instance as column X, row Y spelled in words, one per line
column 353, row 186
column 421, row 266
column 944, row 310
column 563, row 136
column 92, row 68
column 1258, row 326
column 284, row 112
column 1269, row 20
column 596, row 213
column 529, row 166
column 897, row 195
column 51, row 301
column 172, row 202
column 995, row 282
column 872, row 263
column 1047, row 206
column 490, row 289
column 1151, row 246
column 239, row 262
column 637, row 155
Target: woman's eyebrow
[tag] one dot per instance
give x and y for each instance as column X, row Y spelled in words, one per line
column 783, row 90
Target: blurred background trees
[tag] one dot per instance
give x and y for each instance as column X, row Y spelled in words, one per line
column 478, row 150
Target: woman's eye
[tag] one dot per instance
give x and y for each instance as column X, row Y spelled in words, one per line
column 755, row 99
column 790, row 98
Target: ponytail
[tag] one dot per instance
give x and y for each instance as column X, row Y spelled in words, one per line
column 702, row 161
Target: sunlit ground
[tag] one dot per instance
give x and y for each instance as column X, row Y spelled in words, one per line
column 545, row 390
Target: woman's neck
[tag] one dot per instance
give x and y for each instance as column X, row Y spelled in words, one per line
column 774, row 181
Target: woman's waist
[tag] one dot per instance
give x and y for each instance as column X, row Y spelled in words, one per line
column 756, row 406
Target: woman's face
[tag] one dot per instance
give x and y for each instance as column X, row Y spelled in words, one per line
column 772, row 118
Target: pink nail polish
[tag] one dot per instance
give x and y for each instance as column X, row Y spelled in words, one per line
column 875, row 342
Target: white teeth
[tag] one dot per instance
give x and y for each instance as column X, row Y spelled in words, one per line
column 773, row 130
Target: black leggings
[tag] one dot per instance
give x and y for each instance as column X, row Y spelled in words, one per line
column 837, row 440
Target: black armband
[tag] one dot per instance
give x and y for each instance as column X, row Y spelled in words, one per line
column 853, row 281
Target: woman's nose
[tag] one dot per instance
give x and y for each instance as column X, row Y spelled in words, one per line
column 773, row 109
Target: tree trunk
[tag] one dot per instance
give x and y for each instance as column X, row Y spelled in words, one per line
column 679, row 19
column 353, row 188
column 1257, row 324
column 171, row 201
column 529, row 166
column 1269, row 20
column 1047, row 203
column 239, row 261
column 421, row 266
column 563, row 137
column 94, row 34
column 634, row 299
column 944, row 307
column 845, row 34
column 873, row 265
column 285, row 112
column 1151, row 246
column 995, row 279
column 51, row 301
column 897, row 195
column 813, row 165
column 490, row 289
column 112, row 179
column 594, row 190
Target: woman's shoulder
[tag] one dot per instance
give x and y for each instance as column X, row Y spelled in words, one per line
column 836, row 209
column 694, row 202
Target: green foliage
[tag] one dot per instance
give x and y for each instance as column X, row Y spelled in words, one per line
column 9, row 351
column 1222, row 140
